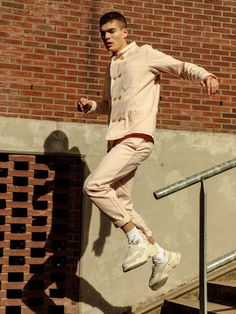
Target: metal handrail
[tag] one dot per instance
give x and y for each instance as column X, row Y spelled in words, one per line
column 200, row 177
column 221, row 261
column 182, row 184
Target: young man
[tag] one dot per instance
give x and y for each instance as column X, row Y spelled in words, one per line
column 131, row 96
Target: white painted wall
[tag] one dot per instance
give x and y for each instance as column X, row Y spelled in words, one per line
column 174, row 220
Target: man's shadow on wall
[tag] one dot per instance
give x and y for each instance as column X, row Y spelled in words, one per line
column 68, row 238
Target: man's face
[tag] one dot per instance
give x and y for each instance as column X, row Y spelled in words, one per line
column 114, row 36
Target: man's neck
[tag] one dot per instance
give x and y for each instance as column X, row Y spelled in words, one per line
column 119, row 52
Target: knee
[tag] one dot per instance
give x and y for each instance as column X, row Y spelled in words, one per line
column 93, row 187
column 90, row 187
column 86, row 186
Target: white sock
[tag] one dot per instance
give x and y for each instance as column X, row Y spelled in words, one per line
column 160, row 256
column 134, row 235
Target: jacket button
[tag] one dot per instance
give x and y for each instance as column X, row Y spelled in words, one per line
column 114, row 99
column 119, row 97
column 113, row 120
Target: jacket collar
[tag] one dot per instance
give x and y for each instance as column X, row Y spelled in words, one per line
column 126, row 49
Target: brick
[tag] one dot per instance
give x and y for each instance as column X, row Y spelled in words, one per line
column 57, row 47
column 64, row 52
column 14, row 5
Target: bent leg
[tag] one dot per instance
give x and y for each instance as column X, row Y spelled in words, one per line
column 122, row 160
column 123, row 190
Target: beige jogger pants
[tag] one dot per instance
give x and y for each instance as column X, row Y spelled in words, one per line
column 110, row 185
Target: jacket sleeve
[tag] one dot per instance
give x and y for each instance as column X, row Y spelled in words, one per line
column 160, row 62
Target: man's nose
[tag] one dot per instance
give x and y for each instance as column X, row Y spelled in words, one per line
column 107, row 35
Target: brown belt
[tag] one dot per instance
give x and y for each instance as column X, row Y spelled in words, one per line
column 146, row 137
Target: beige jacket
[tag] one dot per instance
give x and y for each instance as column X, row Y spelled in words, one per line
column 132, row 88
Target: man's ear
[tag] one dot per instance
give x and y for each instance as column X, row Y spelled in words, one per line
column 125, row 31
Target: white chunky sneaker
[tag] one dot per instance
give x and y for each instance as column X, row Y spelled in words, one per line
column 160, row 271
column 138, row 254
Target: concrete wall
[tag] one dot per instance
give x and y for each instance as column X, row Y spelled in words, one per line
column 174, row 220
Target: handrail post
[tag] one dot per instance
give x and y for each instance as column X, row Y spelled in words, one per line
column 203, row 249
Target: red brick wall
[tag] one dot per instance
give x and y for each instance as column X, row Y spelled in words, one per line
column 40, row 230
column 51, row 54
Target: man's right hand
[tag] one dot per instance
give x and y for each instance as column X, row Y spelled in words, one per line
column 85, row 105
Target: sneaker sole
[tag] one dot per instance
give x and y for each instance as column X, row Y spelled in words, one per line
column 162, row 282
column 141, row 261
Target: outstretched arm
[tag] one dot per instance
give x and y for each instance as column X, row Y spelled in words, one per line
column 163, row 63
column 211, row 84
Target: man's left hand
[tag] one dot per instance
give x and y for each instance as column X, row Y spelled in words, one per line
column 211, row 84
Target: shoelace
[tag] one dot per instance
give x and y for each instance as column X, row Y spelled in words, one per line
column 154, row 268
column 131, row 243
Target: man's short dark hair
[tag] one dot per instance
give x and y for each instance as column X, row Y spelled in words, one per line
column 110, row 16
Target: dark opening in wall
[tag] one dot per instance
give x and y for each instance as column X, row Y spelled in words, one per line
column 14, row 293
column 1, row 235
column 18, row 228
column 2, row 220
column 37, row 252
column 20, row 181
column 35, row 302
column 15, row 277
column 4, row 157
column 3, row 188
column 21, row 165
column 39, row 221
column 3, row 172
column 40, row 205
column 13, row 309
column 16, row 260
column 40, row 174
column 17, row 244
column 20, row 197
column 37, row 269
column 40, row 189
column 59, row 309
column 39, row 236
column 19, row 212
column 2, row 204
